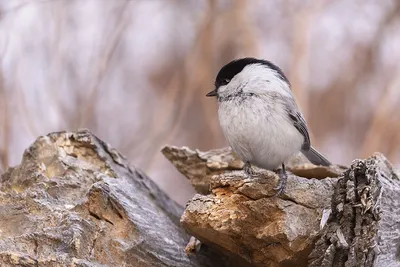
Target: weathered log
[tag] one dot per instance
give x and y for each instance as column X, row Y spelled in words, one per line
column 199, row 166
column 364, row 227
column 75, row 201
column 305, row 226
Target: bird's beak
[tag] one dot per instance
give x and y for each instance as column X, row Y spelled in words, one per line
column 212, row 93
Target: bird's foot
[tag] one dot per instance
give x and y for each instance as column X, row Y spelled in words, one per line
column 282, row 180
column 248, row 169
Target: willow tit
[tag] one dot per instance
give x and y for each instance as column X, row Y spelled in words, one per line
column 259, row 116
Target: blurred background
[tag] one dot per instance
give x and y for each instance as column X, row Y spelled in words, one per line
column 136, row 73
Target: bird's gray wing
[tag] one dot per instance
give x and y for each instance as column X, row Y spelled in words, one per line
column 311, row 154
column 298, row 121
column 300, row 124
column 315, row 157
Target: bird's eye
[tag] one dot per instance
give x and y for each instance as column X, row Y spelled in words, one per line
column 226, row 81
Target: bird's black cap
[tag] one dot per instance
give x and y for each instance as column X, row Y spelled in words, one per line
column 229, row 71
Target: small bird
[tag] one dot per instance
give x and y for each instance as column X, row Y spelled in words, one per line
column 259, row 117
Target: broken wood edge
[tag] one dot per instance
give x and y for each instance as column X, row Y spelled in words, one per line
column 359, row 231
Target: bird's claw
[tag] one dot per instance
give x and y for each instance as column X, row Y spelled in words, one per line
column 248, row 169
column 282, row 181
column 282, row 177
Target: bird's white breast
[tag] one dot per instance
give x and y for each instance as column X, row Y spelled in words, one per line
column 259, row 130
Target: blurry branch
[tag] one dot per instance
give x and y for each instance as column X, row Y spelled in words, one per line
column 189, row 92
column 57, row 59
column 179, row 88
column 169, row 105
column 372, row 139
column 202, row 62
column 5, row 122
column 53, row 93
column 88, row 106
column 241, row 29
column 5, row 126
column 303, row 20
column 25, row 112
column 348, row 94
column 381, row 124
column 203, row 82
column 393, row 149
column 238, row 30
column 16, row 8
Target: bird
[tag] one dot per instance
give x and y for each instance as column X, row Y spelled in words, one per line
column 259, row 117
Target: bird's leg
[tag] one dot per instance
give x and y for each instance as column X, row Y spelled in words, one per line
column 248, row 169
column 282, row 180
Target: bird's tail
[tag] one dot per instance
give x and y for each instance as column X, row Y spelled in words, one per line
column 315, row 157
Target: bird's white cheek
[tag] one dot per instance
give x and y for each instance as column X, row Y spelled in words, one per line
column 222, row 89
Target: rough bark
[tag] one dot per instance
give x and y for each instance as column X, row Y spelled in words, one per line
column 343, row 218
column 75, row 201
column 364, row 227
column 200, row 166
